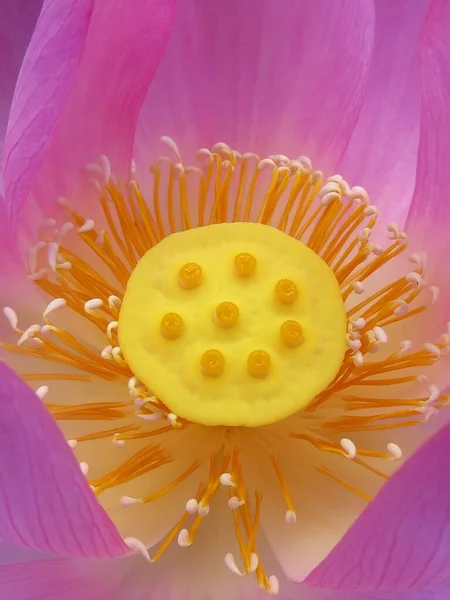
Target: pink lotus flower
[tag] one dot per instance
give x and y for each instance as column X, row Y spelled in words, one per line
column 266, row 485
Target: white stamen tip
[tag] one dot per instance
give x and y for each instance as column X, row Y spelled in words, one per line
column 415, row 278
column 112, row 325
column 231, row 564
column 155, row 416
column 435, row 392
column 42, row 391
column 226, row 480
column 380, row 334
column 173, row 419
column 84, row 467
column 405, row 346
column 73, row 444
column 401, row 309
column 358, row 359
column 106, row 352
column 88, row 225
column 183, row 539
column 203, row 510
column 93, row 304
column 274, row 585
column 349, row 447
column 118, row 442
column 11, row 315
column 54, row 305
column 290, row 517
column 427, row 412
column 358, row 287
column 170, row 143
column 28, row 333
column 191, row 506
column 129, row 500
column 234, row 502
column 434, row 293
column 41, row 274
column 136, row 545
column 359, row 323
column 254, row 562
column 394, row 450
column 432, row 349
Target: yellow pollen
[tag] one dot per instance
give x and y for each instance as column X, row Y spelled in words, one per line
column 226, row 315
column 212, row 363
column 245, row 264
column 291, row 333
column 172, row 326
column 258, row 364
column 243, row 394
column 190, row 276
column 286, row 291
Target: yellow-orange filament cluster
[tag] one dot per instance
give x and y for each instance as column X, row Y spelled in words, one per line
column 190, row 276
column 226, row 315
column 291, row 334
column 286, row 291
column 245, row 264
column 212, row 363
column 172, row 326
column 228, row 188
column 258, row 364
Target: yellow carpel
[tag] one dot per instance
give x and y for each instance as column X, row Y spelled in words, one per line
column 245, row 264
column 247, row 391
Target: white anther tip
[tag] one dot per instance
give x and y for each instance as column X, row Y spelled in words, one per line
column 380, row 335
column 191, row 506
column 54, row 305
column 84, row 468
column 203, row 510
column 72, row 444
column 254, row 562
column 394, row 450
column 42, row 391
column 226, row 480
column 93, row 304
column 274, row 585
column 129, row 500
column 290, row 517
column 231, row 564
column 136, row 545
column 184, row 539
column 358, row 359
column 358, row 287
column 349, row 447
column 234, row 502
column 11, row 315
column 88, row 225
column 432, row 349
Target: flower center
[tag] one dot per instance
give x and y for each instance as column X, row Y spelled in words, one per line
column 220, row 348
column 219, row 301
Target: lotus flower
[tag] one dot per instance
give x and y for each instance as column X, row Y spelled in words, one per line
column 220, row 358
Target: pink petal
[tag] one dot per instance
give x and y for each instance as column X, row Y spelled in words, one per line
column 429, row 213
column 402, row 539
column 45, row 502
column 382, row 154
column 16, row 26
column 80, row 91
column 67, row 579
column 261, row 78
column 46, row 76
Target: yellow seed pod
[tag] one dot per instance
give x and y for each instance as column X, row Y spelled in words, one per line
column 245, row 264
column 226, row 315
column 258, row 364
column 291, row 334
column 212, row 363
column 172, row 326
column 190, row 276
column 286, row 291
